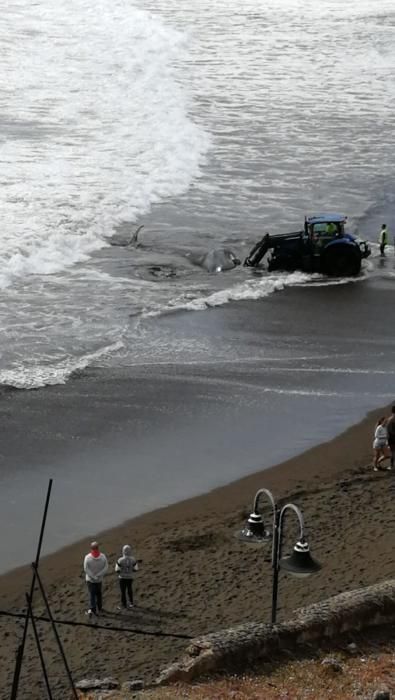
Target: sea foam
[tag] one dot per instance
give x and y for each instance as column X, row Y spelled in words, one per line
column 95, row 129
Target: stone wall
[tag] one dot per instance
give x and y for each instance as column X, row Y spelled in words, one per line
column 240, row 646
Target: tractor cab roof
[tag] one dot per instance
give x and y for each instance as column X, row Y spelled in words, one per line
column 326, row 218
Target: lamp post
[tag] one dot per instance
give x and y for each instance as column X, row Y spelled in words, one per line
column 300, row 563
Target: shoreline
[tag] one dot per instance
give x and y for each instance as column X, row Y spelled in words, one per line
column 225, row 496
column 124, row 442
column 195, row 577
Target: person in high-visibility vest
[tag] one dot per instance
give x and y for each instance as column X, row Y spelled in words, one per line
column 331, row 229
column 321, row 238
column 383, row 239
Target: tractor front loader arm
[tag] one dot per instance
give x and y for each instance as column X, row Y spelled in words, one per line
column 258, row 252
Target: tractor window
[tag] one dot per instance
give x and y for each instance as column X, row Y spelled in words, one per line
column 319, row 229
column 325, row 230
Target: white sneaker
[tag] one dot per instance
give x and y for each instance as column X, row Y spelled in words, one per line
column 89, row 613
column 130, row 606
column 388, row 468
column 375, row 469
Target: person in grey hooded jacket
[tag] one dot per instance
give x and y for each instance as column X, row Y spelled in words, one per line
column 125, row 567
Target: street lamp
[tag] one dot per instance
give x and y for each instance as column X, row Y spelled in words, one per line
column 300, row 563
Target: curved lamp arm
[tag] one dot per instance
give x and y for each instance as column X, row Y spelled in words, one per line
column 258, row 496
column 289, row 506
column 270, row 498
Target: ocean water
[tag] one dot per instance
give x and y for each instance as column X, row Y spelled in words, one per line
column 206, row 122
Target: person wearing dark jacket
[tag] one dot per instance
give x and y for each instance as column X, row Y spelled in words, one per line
column 126, row 567
column 391, row 434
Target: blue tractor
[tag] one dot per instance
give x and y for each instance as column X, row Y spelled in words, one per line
column 322, row 246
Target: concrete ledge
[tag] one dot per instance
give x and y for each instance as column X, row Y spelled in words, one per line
column 240, row 646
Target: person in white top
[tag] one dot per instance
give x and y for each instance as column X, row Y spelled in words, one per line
column 95, row 567
column 381, row 450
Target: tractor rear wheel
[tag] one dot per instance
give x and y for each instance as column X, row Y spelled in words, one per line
column 341, row 261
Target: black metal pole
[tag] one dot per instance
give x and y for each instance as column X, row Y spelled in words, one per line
column 38, row 644
column 18, row 665
column 21, row 648
column 55, row 631
column 277, row 548
column 275, row 565
column 43, row 523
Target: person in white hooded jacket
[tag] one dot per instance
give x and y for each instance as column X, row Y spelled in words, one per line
column 126, row 567
column 95, row 567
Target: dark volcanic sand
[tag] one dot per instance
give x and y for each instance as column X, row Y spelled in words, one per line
column 196, row 577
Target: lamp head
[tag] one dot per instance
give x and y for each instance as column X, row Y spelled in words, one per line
column 254, row 531
column 300, row 563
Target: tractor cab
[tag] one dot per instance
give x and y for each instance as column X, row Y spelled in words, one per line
column 322, row 229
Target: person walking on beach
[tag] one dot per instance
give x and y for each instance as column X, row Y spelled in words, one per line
column 391, row 434
column 126, row 567
column 381, row 450
column 383, row 239
column 95, row 567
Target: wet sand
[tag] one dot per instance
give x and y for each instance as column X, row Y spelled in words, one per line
column 196, row 577
column 271, row 379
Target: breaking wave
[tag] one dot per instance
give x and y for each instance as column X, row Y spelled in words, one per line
column 40, row 375
column 95, row 129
